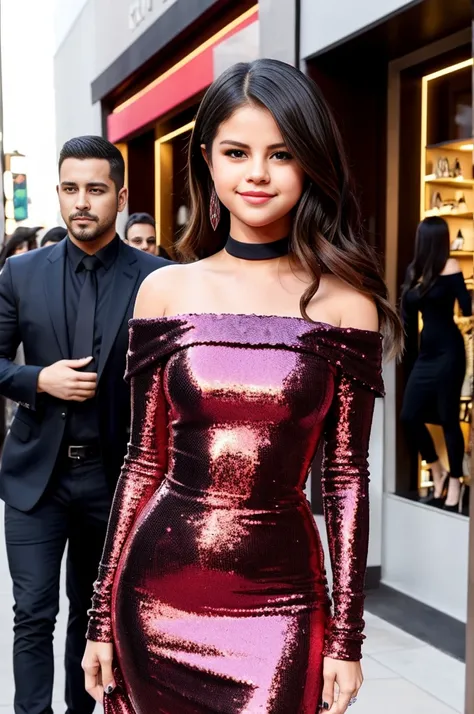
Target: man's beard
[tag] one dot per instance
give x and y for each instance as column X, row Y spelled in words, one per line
column 92, row 232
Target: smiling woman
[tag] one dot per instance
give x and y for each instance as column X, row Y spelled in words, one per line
column 212, row 590
column 262, row 174
column 264, row 128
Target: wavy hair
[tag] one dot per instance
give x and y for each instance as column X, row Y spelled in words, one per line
column 432, row 248
column 326, row 233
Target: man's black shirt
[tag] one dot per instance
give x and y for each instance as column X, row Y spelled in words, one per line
column 83, row 424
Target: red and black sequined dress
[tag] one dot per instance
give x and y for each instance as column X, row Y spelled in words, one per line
column 212, row 585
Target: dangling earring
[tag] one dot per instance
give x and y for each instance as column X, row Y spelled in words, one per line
column 214, row 209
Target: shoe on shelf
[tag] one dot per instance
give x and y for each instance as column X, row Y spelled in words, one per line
column 462, row 205
column 458, row 242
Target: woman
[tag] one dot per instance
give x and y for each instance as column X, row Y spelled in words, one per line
column 53, row 236
column 21, row 241
column 433, row 283
column 212, row 586
column 15, row 245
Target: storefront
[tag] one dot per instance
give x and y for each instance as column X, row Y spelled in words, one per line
column 152, row 63
column 400, row 82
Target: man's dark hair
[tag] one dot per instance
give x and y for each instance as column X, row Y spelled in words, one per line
column 54, row 235
column 139, row 218
column 95, row 147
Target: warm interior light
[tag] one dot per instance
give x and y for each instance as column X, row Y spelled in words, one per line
column 466, row 147
column 173, row 134
column 424, row 115
column 205, row 45
column 123, row 148
column 449, row 70
column 158, row 169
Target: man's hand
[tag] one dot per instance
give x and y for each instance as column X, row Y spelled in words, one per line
column 61, row 380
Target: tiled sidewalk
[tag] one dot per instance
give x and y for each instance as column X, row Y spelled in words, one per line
column 401, row 673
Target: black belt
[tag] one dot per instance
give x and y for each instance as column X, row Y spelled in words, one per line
column 84, row 452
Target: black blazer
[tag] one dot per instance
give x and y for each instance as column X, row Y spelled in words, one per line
column 32, row 312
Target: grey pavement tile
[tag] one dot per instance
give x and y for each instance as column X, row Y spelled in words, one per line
column 384, row 637
column 430, row 670
column 392, row 696
column 374, row 670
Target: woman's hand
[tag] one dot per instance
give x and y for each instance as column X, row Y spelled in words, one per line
column 97, row 666
column 347, row 676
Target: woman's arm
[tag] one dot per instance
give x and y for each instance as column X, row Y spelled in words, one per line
column 462, row 294
column 345, row 485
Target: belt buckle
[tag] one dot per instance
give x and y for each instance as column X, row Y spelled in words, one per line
column 75, row 456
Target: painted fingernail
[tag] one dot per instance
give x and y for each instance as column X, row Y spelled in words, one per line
column 109, row 689
column 325, row 705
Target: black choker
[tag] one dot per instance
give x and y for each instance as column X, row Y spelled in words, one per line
column 257, row 251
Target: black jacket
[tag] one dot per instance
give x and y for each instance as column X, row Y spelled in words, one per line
column 32, row 312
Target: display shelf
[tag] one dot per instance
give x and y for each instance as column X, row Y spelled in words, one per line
column 454, row 145
column 448, row 214
column 459, row 182
column 437, row 192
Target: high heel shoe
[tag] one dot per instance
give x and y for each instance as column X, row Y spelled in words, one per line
column 459, row 506
column 430, row 497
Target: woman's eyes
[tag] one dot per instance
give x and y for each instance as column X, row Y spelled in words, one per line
column 235, row 153
column 239, row 154
column 282, row 156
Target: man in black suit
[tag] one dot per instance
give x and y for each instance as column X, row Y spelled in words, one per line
column 69, row 304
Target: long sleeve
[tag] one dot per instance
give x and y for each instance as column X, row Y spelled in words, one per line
column 409, row 312
column 462, row 294
column 17, row 382
column 144, row 468
column 345, row 486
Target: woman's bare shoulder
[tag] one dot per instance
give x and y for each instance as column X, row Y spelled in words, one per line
column 452, row 266
column 355, row 309
column 155, row 291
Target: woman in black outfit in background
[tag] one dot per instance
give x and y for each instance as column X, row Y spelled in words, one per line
column 433, row 283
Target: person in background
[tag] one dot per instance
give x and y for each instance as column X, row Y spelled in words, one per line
column 433, row 283
column 21, row 241
column 69, row 304
column 140, row 232
column 54, row 235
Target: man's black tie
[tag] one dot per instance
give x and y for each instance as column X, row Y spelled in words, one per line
column 84, row 335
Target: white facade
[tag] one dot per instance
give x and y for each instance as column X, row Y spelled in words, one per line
column 66, row 13
column 74, row 70
column 28, row 100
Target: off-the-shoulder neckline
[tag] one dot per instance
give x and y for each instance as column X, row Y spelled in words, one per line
column 312, row 323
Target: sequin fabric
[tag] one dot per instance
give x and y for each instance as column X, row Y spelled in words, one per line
column 212, row 584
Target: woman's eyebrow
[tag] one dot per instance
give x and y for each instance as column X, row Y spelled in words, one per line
column 280, row 145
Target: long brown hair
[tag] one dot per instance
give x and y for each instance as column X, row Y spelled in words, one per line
column 326, row 234
column 432, row 247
